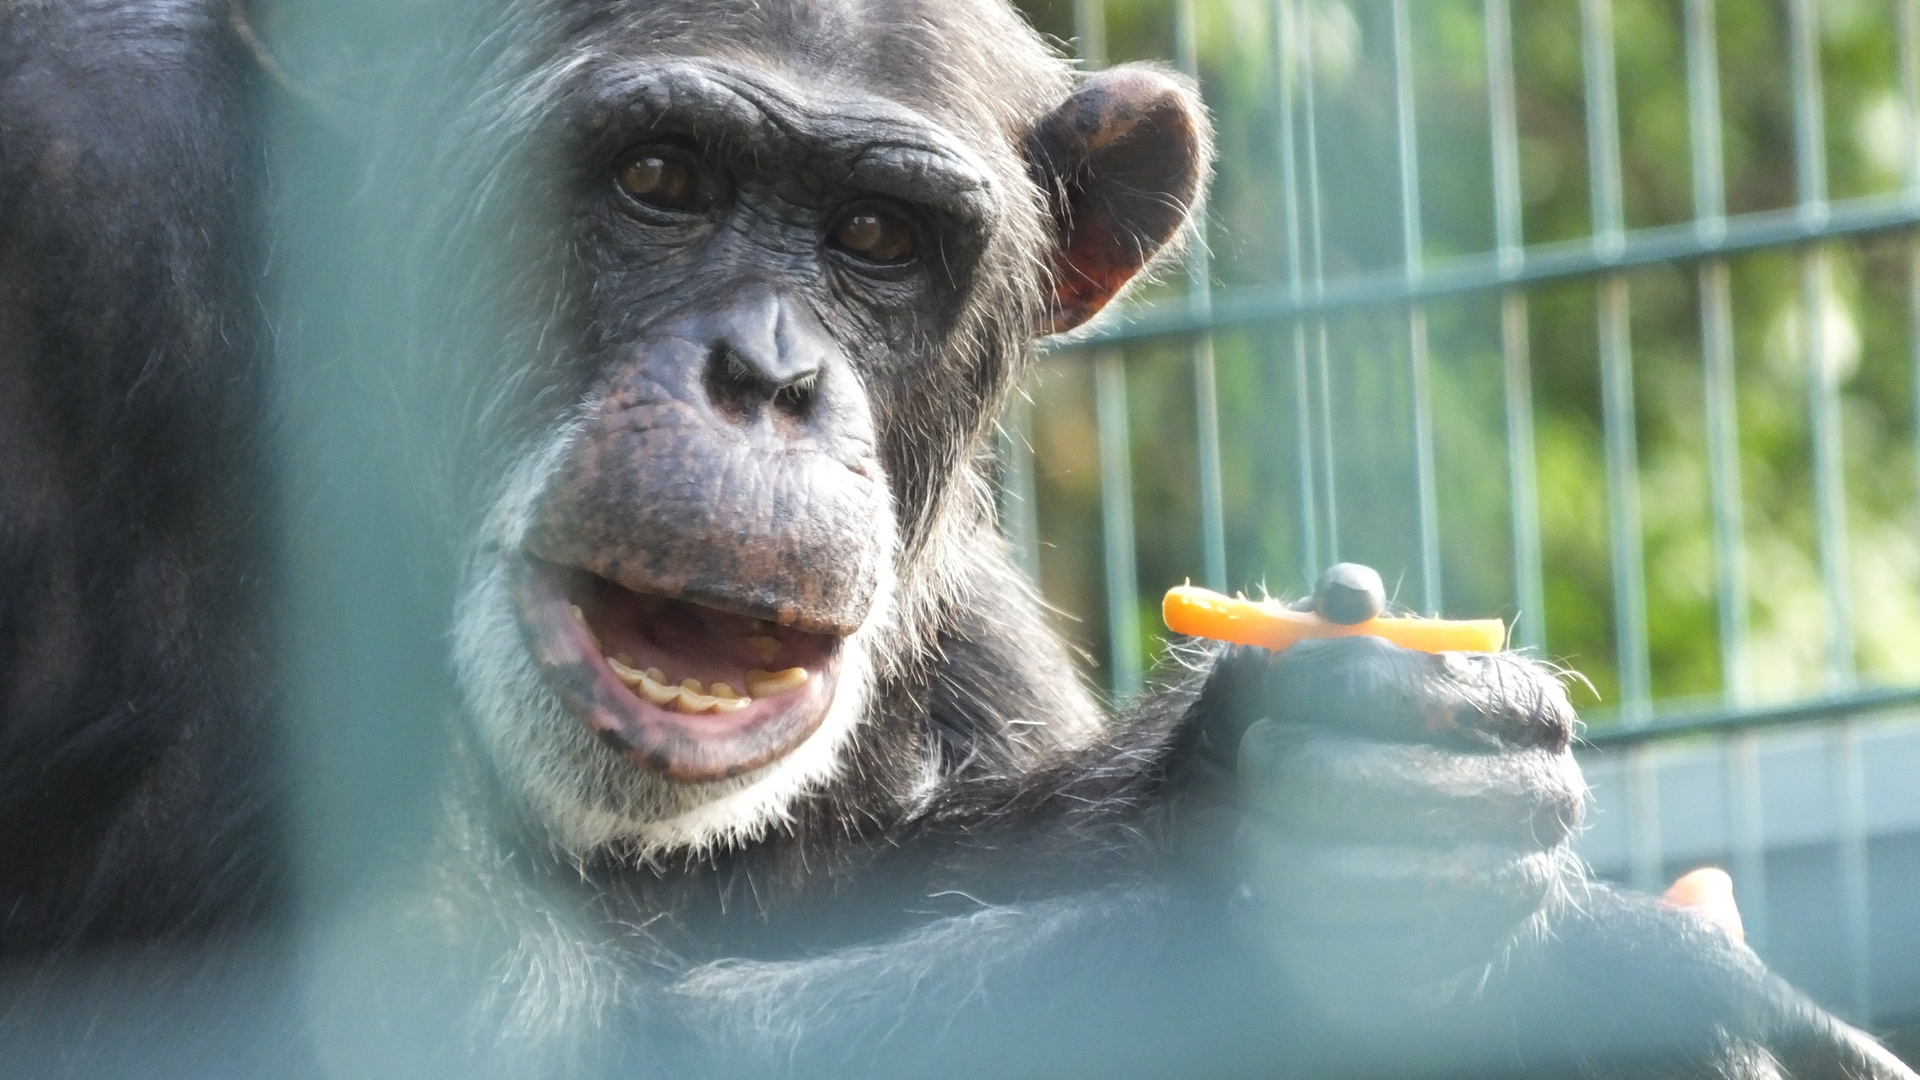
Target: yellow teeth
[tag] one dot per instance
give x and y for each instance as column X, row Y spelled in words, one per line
column 726, row 701
column 693, row 697
column 768, row 683
column 657, row 692
column 649, row 684
column 695, row 703
column 764, row 646
column 581, row 618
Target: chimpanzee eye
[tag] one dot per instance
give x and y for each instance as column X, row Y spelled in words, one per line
column 662, row 177
column 874, row 234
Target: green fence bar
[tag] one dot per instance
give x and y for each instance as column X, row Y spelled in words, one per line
column 1328, row 514
column 1466, row 275
column 1286, row 74
column 1206, row 397
column 1407, row 152
column 1523, row 495
column 1305, row 296
column 1116, row 522
column 1019, row 517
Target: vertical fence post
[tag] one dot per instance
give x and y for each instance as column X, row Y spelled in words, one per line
column 1716, row 341
column 1530, row 622
column 1090, row 33
column 1829, row 490
column 1603, row 127
column 1304, row 437
column 1329, row 514
column 1286, row 37
column 1621, row 435
column 1206, row 398
column 1019, row 517
column 1746, row 826
column 1723, row 474
column 1823, row 389
column 1746, row 829
column 1116, row 469
column 1747, row 834
column 1408, row 150
column 1616, row 367
column 1856, row 914
column 1116, row 520
column 1323, row 383
column 1623, row 517
column 1523, row 498
column 1829, row 479
column 1909, row 52
column 1909, row 49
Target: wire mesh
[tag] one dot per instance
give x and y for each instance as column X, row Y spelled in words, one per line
column 1306, row 317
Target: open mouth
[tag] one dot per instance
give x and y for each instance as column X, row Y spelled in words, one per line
column 684, row 690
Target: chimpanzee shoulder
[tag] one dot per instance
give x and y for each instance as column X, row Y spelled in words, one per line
column 135, row 502
column 767, row 761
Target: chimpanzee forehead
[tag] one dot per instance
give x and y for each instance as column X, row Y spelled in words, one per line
column 974, row 64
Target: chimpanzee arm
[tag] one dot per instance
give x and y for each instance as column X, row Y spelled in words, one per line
column 1618, row 985
column 1352, row 860
column 1405, row 855
column 1112, row 983
column 1402, row 901
column 1440, row 839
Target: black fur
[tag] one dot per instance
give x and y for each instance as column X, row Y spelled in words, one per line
column 136, row 659
column 1350, row 862
column 143, row 870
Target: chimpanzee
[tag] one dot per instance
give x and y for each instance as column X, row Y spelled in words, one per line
column 140, row 840
column 767, row 762
column 136, row 509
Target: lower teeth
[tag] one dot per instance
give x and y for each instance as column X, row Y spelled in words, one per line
column 689, row 696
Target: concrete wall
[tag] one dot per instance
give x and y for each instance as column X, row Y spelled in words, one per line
column 1801, row 925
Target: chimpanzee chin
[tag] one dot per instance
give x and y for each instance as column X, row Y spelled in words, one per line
column 695, row 319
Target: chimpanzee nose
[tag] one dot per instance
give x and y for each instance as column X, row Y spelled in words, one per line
column 764, row 350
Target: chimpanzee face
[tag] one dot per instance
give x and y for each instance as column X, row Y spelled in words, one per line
column 790, row 305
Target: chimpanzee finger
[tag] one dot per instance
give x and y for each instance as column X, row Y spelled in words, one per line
column 1329, row 786
column 1350, row 921
column 1369, row 687
column 1348, row 593
column 1451, row 891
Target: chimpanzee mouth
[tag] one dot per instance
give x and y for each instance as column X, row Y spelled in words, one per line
column 684, row 690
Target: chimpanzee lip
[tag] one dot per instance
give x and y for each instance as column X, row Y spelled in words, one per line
column 585, row 632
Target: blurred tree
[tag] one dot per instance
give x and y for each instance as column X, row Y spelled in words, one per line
column 1347, row 47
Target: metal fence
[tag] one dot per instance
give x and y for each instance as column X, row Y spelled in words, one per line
column 1291, row 318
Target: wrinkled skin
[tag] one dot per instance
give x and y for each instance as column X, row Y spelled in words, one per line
column 686, row 404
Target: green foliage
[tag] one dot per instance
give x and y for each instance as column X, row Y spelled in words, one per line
column 1865, row 292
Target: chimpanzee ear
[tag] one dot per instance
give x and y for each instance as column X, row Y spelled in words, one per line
column 1123, row 161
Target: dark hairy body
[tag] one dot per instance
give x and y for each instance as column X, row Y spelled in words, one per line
column 135, row 509
column 140, row 856
column 688, row 323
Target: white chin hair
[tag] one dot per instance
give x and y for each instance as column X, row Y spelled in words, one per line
column 590, row 798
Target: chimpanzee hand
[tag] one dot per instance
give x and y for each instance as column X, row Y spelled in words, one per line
column 1405, row 813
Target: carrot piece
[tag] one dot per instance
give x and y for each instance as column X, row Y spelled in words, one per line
column 1207, row 614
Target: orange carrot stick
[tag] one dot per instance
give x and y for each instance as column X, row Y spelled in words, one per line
column 1202, row 613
